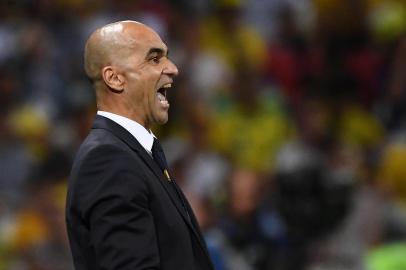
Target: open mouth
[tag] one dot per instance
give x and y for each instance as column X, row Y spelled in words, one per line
column 161, row 94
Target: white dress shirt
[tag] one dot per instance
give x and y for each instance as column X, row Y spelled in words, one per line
column 143, row 136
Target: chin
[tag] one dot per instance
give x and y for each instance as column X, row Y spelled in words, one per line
column 162, row 120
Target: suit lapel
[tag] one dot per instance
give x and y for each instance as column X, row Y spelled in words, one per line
column 191, row 222
column 101, row 122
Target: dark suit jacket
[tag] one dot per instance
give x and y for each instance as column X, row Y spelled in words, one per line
column 122, row 213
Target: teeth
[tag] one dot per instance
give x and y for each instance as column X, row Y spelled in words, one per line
column 161, row 97
column 161, row 94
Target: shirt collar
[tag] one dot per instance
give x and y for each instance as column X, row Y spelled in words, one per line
column 142, row 135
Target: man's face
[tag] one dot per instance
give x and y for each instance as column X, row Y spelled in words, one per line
column 148, row 75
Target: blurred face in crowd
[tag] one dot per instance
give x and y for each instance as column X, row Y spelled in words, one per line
column 244, row 193
column 131, row 62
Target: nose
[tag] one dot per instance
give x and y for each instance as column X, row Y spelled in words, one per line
column 171, row 69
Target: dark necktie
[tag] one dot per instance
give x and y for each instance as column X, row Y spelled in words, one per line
column 159, row 156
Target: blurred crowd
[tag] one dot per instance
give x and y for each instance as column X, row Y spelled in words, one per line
column 287, row 127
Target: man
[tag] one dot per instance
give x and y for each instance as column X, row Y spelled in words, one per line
column 123, row 209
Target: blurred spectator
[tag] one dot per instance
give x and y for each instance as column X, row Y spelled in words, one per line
column 249, row 123
column 38, row 239
column 242, row 235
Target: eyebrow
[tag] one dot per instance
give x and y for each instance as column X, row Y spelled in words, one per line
column 158, row 51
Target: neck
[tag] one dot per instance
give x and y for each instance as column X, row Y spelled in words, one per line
column 118, row 104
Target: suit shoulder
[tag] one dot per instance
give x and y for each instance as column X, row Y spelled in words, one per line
column 100, row 140
column 108, row 163
column 101, row 150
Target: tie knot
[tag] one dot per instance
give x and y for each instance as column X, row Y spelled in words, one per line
column 159, row 155
column 156, row 146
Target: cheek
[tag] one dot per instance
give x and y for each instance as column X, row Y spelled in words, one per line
column 143, row 83
column 153, row 73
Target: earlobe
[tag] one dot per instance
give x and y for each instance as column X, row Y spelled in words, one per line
column 112, row 79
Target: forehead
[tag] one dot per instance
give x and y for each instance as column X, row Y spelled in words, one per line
column 144, row 39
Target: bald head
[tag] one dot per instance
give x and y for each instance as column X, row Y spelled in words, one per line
column 111, row 44
column 129, row 66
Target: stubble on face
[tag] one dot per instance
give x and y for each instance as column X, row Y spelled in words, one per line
column 127, row 46
column 145, row 79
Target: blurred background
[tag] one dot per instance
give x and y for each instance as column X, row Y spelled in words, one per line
column 287, row 126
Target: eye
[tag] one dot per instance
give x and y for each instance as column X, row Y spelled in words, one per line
column 156, row 59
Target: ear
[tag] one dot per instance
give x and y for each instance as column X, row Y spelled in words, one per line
column 113, row 79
